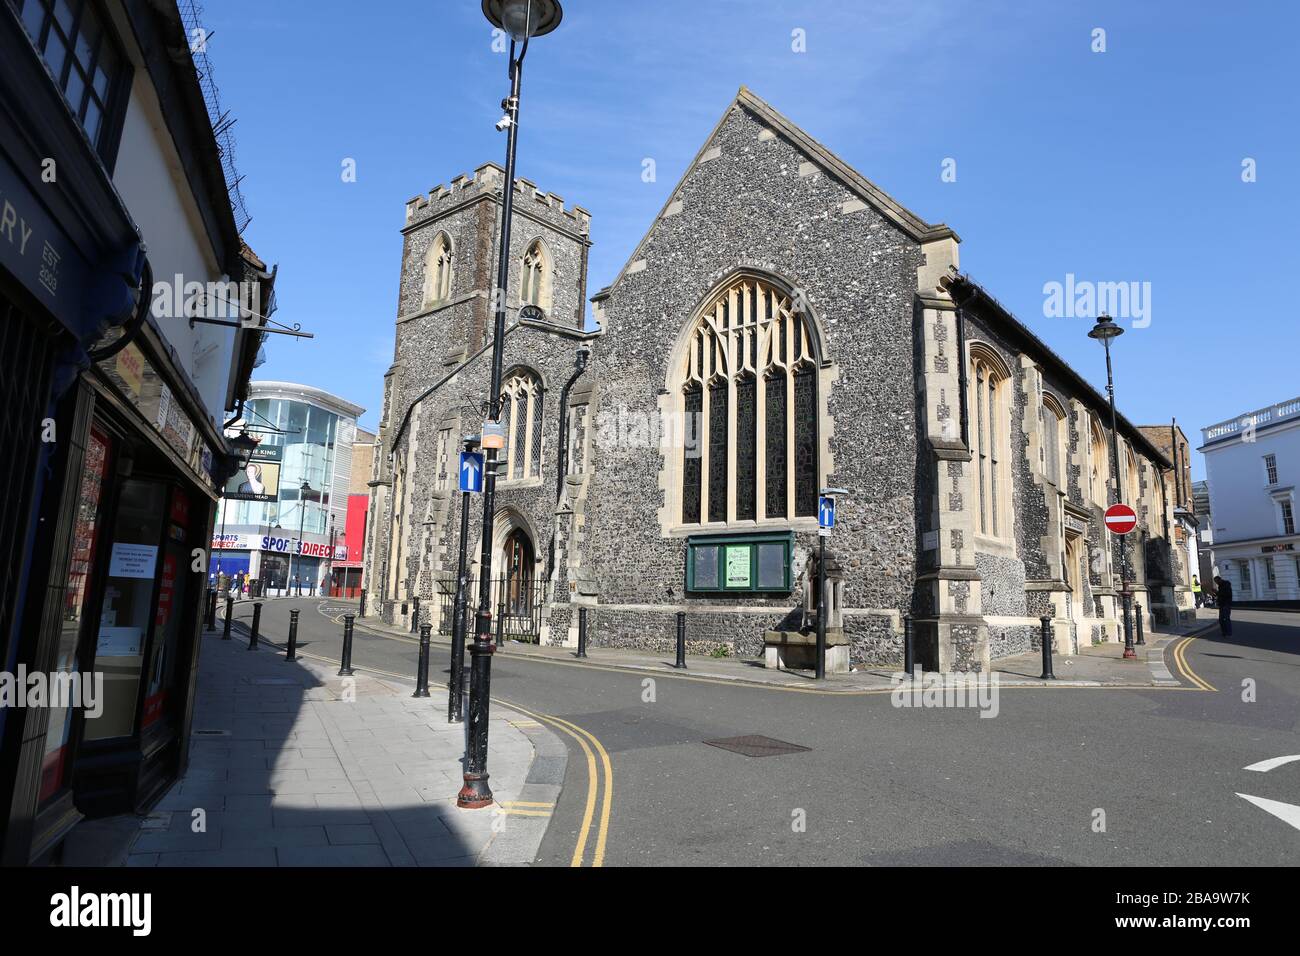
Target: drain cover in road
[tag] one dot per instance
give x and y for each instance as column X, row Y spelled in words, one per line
column 756, row 745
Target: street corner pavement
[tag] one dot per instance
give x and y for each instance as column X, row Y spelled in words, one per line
column 292, row 765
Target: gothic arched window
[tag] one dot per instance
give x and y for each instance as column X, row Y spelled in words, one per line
column 748, row 390
column 1098, row 463
column 535, row 280
column 1055, row 446
column 437, row 271
column 989, row 380
column 1133, row 489
column 521, row 414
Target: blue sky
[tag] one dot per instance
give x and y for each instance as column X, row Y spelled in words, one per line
column 1117, row 166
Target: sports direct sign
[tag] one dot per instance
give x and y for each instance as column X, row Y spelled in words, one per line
column 1121, row 519
column 308, row 549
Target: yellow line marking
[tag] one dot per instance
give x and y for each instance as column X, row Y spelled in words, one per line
column 602, row 835
column 1180, row 657
column 509, row 811
column 593, row 779
column 524, row 803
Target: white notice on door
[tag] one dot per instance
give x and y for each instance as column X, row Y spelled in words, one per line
column 133, row 560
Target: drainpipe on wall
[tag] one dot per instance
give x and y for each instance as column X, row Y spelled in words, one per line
column 562, row 466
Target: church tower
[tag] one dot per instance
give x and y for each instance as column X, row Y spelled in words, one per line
column 435, row 390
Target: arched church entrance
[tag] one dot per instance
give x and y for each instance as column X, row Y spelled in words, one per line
column 517, row 587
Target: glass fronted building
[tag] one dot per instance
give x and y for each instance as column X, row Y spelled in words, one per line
column 283, row 518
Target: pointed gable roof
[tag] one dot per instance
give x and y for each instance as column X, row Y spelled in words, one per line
column 909, row 222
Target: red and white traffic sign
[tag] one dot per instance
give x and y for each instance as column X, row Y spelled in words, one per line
column 1121, row 519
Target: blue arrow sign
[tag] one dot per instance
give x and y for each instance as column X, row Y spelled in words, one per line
column 471, row 471
column 826, row 512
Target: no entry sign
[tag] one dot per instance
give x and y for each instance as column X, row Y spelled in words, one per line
column 1121, row 519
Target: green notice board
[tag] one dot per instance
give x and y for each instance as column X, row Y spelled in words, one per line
column 745, row 563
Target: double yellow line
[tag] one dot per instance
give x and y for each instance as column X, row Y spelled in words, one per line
column 591, row 748
column 1180, row 658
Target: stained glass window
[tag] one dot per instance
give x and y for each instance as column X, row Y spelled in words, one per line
column 776, row 458
column 746, row 445
column 805, row 441
column 691, row 466
column 718, row 451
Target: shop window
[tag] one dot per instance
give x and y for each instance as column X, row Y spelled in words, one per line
column 126, row 613
column 740, row 563
column 85, row 541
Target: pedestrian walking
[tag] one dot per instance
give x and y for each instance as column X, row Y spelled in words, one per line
column 1196, row 590
column 1225, row 606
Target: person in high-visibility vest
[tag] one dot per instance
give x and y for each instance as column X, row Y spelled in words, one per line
column 1196, row 590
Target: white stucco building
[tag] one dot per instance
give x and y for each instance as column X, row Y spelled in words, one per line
column 1252, row 464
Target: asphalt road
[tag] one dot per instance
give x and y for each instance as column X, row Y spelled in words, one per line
column 1060, row 776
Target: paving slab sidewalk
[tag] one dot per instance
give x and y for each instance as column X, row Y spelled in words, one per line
column 1102, row 665
column 291, row 765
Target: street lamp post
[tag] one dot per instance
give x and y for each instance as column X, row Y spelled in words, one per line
column 329, row 564
column 523, row 20
column 303, row 489
column 1104, row 331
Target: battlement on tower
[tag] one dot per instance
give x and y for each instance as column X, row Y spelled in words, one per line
column 487, row 180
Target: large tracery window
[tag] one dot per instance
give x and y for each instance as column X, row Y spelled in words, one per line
column 749, row 394
column 521, row 414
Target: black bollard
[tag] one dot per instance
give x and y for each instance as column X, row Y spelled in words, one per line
column 361, row 608
column 212, row 610
column 501, row 624
column 681, row 641
column 422, row 669
column 582, row 632
column 345, row 665
column 415, row 614
column 1137, row 611
column 1047, row 648
column 293, row 636
column 225, row 628
column 257, row 622
column 909, row 650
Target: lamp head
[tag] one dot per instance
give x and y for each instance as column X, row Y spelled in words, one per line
column 1105, row 329
column 523, row 19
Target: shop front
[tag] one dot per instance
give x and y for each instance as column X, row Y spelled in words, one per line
column 126, row 596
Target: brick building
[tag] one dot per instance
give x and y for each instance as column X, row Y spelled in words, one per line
column 783, row 325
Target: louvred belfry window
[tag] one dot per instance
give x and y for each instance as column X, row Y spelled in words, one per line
column 749, row 394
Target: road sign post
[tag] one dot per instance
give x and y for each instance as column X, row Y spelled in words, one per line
column 471, row 472
column 825, row 523
column 469, row 459
column 1120, row 519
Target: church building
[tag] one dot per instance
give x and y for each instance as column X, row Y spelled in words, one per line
column 782, row 326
